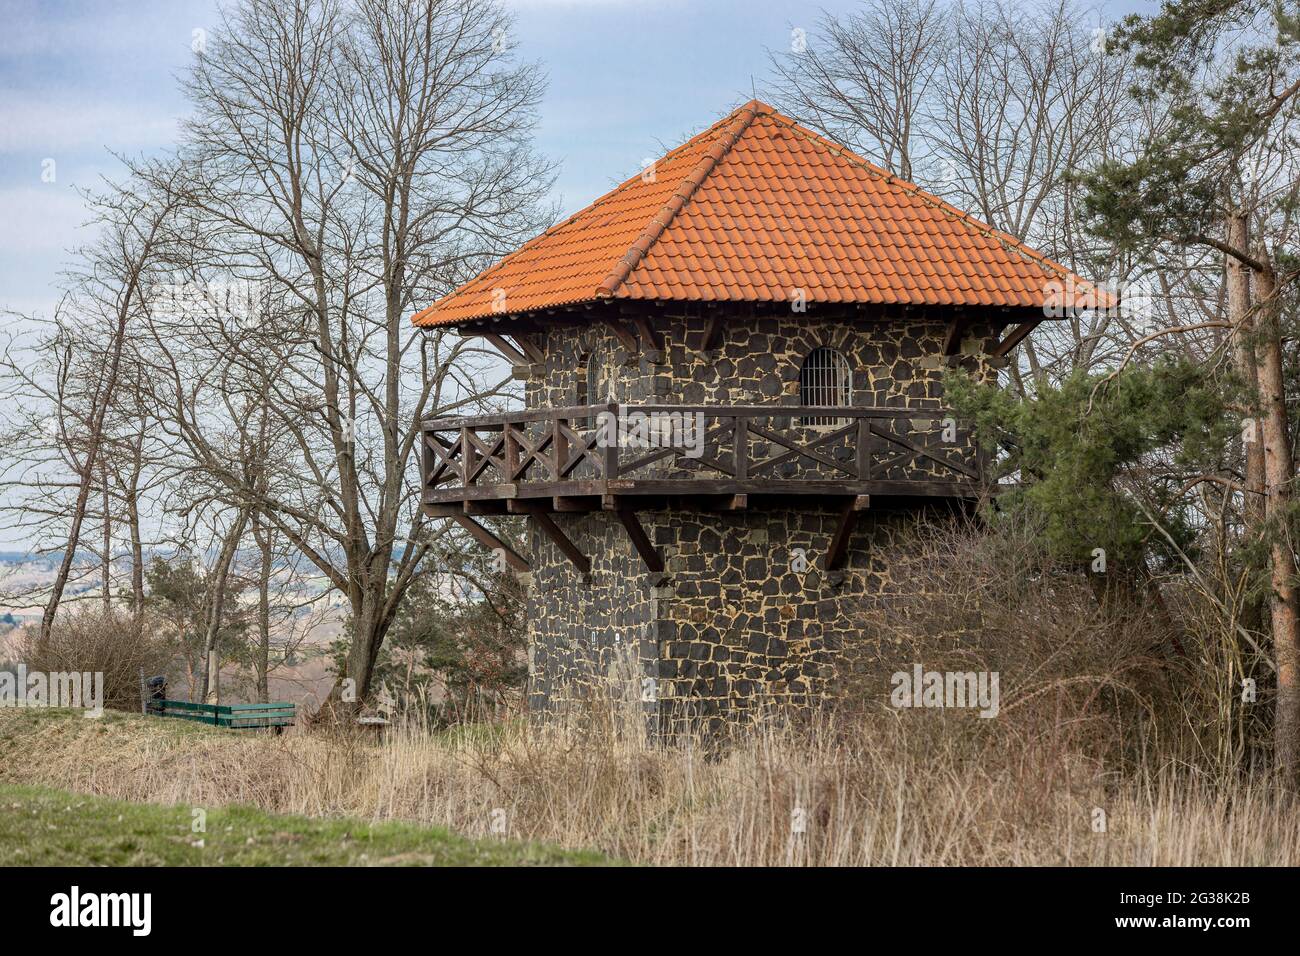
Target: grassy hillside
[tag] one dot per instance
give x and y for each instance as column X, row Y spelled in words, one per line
column 49, row 825
column 40, row 826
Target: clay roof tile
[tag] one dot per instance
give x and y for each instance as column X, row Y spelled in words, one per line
column 752, row 207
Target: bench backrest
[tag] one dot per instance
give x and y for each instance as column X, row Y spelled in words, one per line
column 274, row 714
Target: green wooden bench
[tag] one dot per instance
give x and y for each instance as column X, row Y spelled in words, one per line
column 278, row 714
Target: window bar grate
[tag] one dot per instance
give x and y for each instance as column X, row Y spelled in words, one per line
column 825, row 380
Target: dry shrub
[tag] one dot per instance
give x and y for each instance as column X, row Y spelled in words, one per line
column 1084, row 686
column 95, row 640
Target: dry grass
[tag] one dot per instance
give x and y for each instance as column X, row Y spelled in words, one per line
column 887, row 790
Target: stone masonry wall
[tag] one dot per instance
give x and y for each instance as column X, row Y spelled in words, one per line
column 895, row 362
column 748, row 617
column 747, row 622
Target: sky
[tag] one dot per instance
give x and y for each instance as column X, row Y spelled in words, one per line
column 628, row 79
column 83, row 80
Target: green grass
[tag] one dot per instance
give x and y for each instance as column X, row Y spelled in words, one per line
column 23, row 719
column 40, row 826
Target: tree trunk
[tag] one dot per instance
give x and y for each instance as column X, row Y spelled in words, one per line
column 137, row 559
column 216, row 607
column 1284, row 599
column 131, row 498
column 99, row 411
column 369, row 627
column 107, row 567
column 262, row 661
column 1241, row 315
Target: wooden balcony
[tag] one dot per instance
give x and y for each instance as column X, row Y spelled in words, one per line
column 646, row 456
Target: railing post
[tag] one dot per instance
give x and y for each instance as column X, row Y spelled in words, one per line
column 510, row 448
column 610, row 456
column 466, row 457
column 863, row 449
column 740, row 447
column 426, row 460
column 560, row 445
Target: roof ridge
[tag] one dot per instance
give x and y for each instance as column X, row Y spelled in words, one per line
column 741, row 118
column 1005, row 239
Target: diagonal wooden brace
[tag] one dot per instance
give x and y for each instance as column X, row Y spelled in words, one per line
column 1014, row 338
column 552, row 530
column 838, row 552
column 641, row 541
column 486, row 538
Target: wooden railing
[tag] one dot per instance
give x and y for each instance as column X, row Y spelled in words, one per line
column 696, row 449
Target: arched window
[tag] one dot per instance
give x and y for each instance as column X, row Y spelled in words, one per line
column 593, row 379
column 588, row 379
column 582, row 395
column 825, row 380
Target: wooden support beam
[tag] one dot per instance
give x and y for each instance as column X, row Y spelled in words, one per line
column 529, row 346
column 524, row 363
column 552, row 530
column 1014, row 338
column 654, row 563
column 512, row 355
column 573, row 504
column 652, row 343
column 838, row 552
column 952, row 336
column 486, row 538
column 712, row 332
column 729, row 503
column 625, row 337
column 740, row 448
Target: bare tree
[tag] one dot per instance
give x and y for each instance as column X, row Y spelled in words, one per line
column 992, row 106
column 351, row 165
column 71, row 389
column 868, row 80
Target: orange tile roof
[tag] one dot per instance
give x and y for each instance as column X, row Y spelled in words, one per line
column 752, row 208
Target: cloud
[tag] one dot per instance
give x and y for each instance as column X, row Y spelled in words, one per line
column 40, row 218
column 536, row 4
column 36, row 124
column 38, row 226
column 41, row 28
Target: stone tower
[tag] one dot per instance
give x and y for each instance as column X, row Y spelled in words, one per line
column 734, row 372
